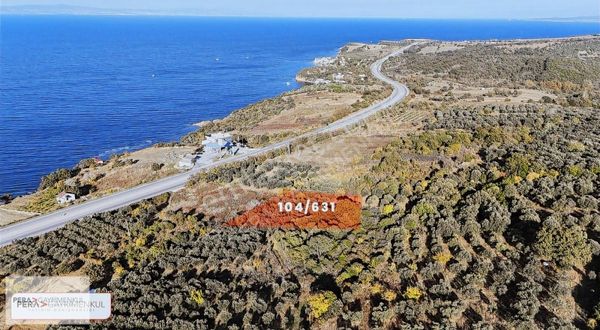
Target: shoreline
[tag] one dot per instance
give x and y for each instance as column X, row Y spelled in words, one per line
column 52, row 220
column 197, row 125
column 203, row 123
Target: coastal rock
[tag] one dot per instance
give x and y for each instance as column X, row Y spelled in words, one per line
column 206, row 122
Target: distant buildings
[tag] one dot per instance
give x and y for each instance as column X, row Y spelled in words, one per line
column 215, row 145
column 339, row 78
column 65, row 197
column 217, row 142
column 321, row 81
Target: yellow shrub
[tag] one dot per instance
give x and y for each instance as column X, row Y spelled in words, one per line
column 513, row 179
column 377, row 288
column 320, row 303
column 387, row 209
column 442, row 258
column 553, row 173
column 389, row 295
column 532, row 176
column 197, row 297
column 413, row 293
column 575, row 170
column 354, row 270
column 454, row 148
column 136, row 212
column 140, row 241
column 118, row 270
column 154, row 251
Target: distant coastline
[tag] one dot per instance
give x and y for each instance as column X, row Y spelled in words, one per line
column 123, row 95
column 586, row 19
column 95, row 11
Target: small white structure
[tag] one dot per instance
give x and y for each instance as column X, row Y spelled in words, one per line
column 338, row 78
column 217, row 141
column 188, row 161
column 321, row 81
column 65, row 197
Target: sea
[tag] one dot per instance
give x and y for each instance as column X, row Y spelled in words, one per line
column 73, row 87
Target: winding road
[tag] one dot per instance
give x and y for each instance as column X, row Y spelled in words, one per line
column 49, row 222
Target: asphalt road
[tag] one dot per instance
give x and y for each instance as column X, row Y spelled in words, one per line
column 49, row 222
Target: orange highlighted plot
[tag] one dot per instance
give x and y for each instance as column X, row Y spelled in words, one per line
column 303, row 210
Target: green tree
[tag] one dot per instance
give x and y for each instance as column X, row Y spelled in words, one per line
column 55, row 177
column 567, row 245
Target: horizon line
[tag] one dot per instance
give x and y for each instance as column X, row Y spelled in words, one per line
column 583, row 19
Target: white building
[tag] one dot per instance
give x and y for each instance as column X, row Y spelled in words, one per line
column 188, row 161
column 338, row 78
column 321, row 81
column 217, row 141
column 65, row 197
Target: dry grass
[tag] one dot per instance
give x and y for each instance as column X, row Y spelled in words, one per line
column 440, row 48
column 223, row 201
column 9, row 215
column 312, row 109
column 110, row 178
column 348, row 155
column 362, row 51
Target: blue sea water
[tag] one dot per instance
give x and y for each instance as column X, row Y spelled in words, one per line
column 73, row 87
